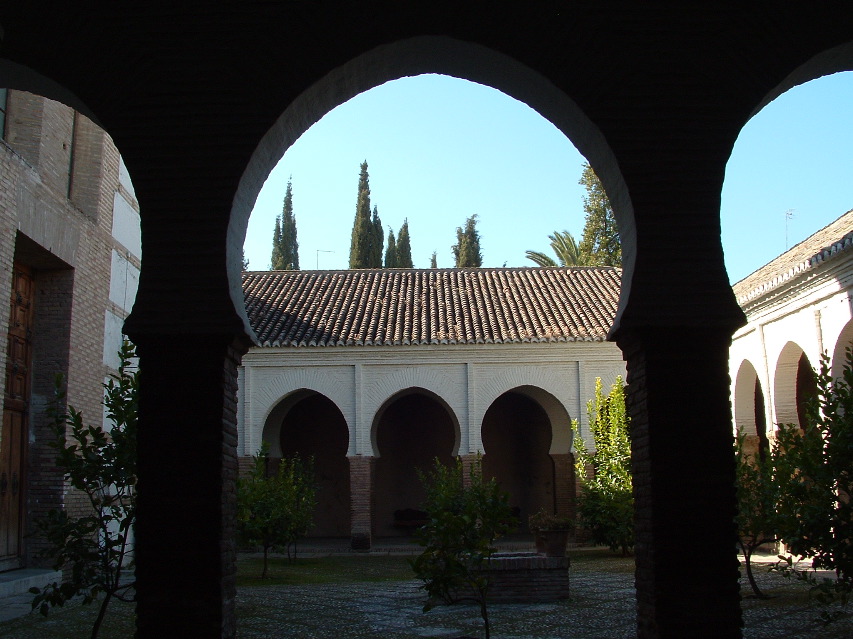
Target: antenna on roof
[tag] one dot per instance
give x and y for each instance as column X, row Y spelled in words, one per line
column 789, row 215
column 318, row 256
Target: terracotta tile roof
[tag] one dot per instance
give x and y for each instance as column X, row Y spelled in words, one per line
column 431, row 306
column 827, row 244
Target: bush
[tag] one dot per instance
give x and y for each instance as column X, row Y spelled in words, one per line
column 275, row 510
column 606, row 502
column 464, row 522
column 96, row 548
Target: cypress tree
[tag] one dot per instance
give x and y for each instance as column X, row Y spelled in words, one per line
column 391, row 251
column 467, row 248
column 404, row 247
column 276, row 259
column 599, row 244
column 289, row 247
column 359, row 253
column 433, row 261
column 377, row 241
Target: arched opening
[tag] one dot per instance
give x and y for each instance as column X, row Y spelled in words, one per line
column 794, row 385
column 310, row 425
column 839, row 354
column 750, row 411
column 799, row 136
column 517, row 438
column 420, row 56
column 412, row 430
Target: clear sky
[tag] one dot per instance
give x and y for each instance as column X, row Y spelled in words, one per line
column 440, row 149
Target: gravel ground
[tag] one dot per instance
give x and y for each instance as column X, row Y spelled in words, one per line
column 601, row 607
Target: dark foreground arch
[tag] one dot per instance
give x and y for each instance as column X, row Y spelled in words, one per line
column 188, row 93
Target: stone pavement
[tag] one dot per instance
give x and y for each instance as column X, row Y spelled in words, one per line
column 602, row 606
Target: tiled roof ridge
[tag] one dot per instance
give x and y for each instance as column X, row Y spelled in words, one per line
column 387, row 307
column 820, row 247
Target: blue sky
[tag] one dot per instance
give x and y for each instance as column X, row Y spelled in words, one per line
column 440, row 149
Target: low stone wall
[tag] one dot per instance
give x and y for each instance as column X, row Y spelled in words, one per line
column 528, row 577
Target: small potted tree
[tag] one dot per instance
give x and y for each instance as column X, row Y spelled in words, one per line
column 551, row 532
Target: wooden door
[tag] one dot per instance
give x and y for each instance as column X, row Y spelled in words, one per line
column 13, row 437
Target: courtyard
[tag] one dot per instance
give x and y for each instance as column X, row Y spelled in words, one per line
column 331, row 593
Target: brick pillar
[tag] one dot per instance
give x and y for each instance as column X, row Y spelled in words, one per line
column 683, row 469
column 361, row 469
column 187, row 471
column 564, row 484
column 468, row 462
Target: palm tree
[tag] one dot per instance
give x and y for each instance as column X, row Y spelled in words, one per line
column 565, row 247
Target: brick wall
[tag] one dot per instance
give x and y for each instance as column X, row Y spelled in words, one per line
column 58, row 176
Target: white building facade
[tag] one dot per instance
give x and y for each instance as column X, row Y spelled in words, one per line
column 799, row 306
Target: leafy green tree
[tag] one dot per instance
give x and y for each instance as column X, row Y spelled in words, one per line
column 288, row 243
column 599, row 244
column 274, row 510
column 815, row 468
column 391, row 251
column 758, row 496
column 467, row 250
column 566, row 249
column 465, row 519
column 433, row 260
column 404, row 247
column 606, row 503
column 362, row 228
column 244, row 261
column 95, row 549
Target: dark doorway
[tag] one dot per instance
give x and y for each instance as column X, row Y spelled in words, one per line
column 516, row 439
column 413, row 430
column 314, row 427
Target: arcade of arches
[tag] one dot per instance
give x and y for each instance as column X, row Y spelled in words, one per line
column 798, row 306
column 202, row 100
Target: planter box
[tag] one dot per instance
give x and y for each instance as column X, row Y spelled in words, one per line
column 528, row 577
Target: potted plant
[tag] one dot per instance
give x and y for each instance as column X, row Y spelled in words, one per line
column 551, row 532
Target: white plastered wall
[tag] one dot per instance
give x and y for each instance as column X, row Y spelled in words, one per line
column 360, row 380
column 810, row 313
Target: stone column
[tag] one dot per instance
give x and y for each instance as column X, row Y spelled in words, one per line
column 683, row 470
column 361, row 469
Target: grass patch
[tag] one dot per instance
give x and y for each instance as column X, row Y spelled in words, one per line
column 323, row 570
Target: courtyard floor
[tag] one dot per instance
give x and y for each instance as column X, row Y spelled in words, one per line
column 374, row 597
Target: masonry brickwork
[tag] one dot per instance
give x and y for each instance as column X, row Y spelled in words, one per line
column 59, row 173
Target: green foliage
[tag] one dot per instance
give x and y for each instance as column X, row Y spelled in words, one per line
column 606, row 503
column 275, row 510
column 391, row 251
column 814, row 467
column 285, row 248
column 377, row 240
column 404, row 247
column 465, row 519
column 95, row 548
column 758, row 494
column 566, row 249
column 467, row 251
column 433, row 260
column 276, row 258
column 600, row 245
column 362, row 228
